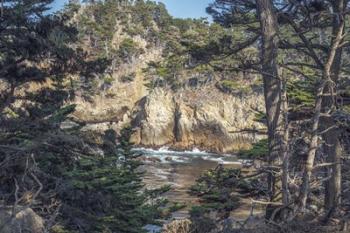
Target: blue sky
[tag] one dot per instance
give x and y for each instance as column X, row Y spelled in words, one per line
column 187, row 8
column 177, row 8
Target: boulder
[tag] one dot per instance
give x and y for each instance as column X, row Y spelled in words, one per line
column 26, row 220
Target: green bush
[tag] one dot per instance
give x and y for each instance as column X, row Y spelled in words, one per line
column 201, row 221
column 128, row 78
column 108, row 79
column 234, row 86
column 214, row 188
column 128, row 48
column 260, row 117
column 301, row 94
column 259, row 149
column 106, row 192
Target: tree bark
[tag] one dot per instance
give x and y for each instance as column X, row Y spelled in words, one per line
column 331, row 137
column 272, row 84
column 319, row 108
column 285, row 149
column 309, row 164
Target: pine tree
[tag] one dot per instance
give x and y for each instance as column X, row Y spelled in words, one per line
column 46, row 167
column 106, row 192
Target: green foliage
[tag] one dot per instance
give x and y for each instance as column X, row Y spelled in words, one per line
column 260, row 117
column 234, row 86
column 258, row 150
column 176, row 206
column 150, row 21
column 166, row 71
column 61, row 114
column 201, row 221
column 219, row 190
column 301, row 93
column 108, row 79
column 34, row 49
column 182, row 40
column 112, row 190
column 128, row 78
column 214, row 188
column 346, row 108
column 61, row 229
column 91, row 191
column 128, row 48
column 9, row 113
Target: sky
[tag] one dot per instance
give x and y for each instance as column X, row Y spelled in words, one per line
column 187, row 8
column 177, row 8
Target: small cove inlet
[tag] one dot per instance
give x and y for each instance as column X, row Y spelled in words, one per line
column 179, row 169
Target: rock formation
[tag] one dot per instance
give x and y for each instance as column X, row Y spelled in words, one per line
column 203, row 118
column 25, row 220
column 198, row 114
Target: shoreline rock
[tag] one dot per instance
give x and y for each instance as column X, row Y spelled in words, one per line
column 182, row 122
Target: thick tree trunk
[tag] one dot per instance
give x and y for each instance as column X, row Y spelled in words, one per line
column 331, row 136
column 333, row 185
column 272, row 84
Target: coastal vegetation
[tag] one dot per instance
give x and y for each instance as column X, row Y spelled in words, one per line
column 266, row 81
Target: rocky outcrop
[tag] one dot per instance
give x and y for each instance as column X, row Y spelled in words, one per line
column 114, row 101
column 203, row 118
column 153, row 120
column 25, row 220
column 199, row 115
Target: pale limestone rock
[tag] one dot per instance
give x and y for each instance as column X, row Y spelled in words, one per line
column 26, row 220
column 200, row 116
column 155, row 119
column 197, row 118
column 112, row 103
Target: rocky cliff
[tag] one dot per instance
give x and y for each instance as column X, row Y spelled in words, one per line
column 203, row 117
column 198, row 115
column 184, row 105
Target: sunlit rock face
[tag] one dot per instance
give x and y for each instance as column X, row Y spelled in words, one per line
column 153, row 119
column 198, row 114
column 194, row 116
column 203, row 118
column 114, row 101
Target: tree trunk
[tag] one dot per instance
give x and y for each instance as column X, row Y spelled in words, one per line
column 331, row 137
column 333, row 185
column 319, row 107
column 332, row 147
column 272, row 84
column 285, row 149
column 309, row 164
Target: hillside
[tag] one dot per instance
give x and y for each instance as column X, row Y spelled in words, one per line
column 154, row 84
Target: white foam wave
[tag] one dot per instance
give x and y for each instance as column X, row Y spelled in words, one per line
column 231, row 163
column 196, row 151
column 214, row 159
column 165, row 155
column 166, row 150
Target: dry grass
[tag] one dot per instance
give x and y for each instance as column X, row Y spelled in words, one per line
column 185, row 226
column 178, row 226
